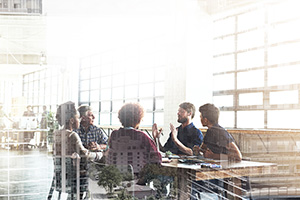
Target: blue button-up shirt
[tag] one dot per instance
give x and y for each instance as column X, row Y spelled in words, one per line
column 94, row 134
column 188, row 136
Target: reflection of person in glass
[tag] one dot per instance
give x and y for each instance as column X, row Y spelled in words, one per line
column 3, row 115
column 67, row 151
column 183, row 138
column 44, row 120
column 29, row 112
column 128, row 145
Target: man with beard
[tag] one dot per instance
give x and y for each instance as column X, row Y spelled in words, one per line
column 182, row 139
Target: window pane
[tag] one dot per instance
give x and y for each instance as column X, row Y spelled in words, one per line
column 285, row 97
column 105, row 81
column 115, row 120
column 146, row 90
column 106, row 69
column 116, row 105
column 226, row 119
column 159, row 104
column 84, row 96
column 118, row 80
column 251, row 20
column 284, row 75
column 85, row 73
column 147, row 104
column 85, row 85
column 250, row 79
column 250, row 59
column 223, row 82
column 104, row 119
column 284, row 119
column 160, row 74
column 224, row 45
column 225, row 26
column 147, row 120
column 159, row 118
column 275, row 54
column 95, row 72
column 117, row 93
column 223, row 63
column 95, row 95
column 105, row 94
column 131, row 78
column 159, row 89
column 276, row 14
column 250, row 119
column 226, row 101
column 95, row 83
column 85, row 63
column 105, row 106
column 251, row 99
column 250, row 39
column 147, row 76
column 131, row 91
column 284, row 32
column 95, row 107
column 95, row 60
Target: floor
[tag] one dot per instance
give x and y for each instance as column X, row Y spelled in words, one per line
column 26, row 174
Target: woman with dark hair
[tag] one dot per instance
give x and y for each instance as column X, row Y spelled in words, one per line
column 67, row 151
column 130, row 146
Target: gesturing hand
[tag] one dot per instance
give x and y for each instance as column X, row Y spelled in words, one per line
column 155, row 132
column 174, row 132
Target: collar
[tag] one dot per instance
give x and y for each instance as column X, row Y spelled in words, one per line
column 188, row 126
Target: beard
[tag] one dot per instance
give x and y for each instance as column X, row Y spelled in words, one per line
column 182, row 120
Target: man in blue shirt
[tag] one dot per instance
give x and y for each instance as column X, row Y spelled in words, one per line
column 182, row 139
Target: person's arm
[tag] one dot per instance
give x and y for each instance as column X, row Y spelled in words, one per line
column 156, row 135
column 233, row 153
column 186, row 150
column 94, row 156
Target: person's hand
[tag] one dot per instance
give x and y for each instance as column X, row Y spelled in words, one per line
column 93, row 146
column 174, row 132
column 196, row 150
column 208, row 153
column 155, row 132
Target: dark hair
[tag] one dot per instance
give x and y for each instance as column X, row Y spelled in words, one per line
column 211, row 112
column 188, row 107
column 131, row 114
column 65, row 112
column 83, row 110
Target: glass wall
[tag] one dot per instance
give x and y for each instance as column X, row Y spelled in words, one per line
column 110, row 79
column 256, row 65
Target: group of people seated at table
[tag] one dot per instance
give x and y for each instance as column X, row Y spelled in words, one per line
column 128, row 145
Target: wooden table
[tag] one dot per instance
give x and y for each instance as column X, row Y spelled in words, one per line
column 188, row 172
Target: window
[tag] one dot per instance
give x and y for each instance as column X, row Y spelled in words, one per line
column 256, row 66
column 114, row 78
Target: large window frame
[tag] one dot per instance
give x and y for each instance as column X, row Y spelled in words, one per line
column 233, row 36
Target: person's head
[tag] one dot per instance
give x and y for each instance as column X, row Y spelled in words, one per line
column 186, row 112
column 29, row 108
column 131, row 114
column 86, row 115
column 67, row 115
column 44, row 108
column 209, row 114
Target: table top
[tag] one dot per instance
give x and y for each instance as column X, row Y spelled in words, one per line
column 227, row 169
